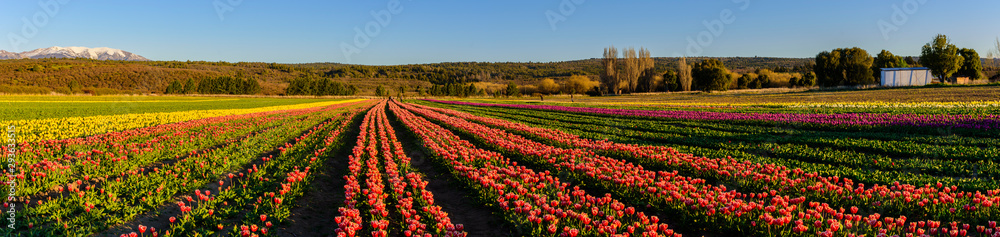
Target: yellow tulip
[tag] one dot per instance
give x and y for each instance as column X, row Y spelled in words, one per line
column 62, row 128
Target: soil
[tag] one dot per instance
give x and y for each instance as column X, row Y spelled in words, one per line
column 314, row 215
column 454, row 198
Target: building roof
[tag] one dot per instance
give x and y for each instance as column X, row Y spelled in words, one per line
column 905, row 69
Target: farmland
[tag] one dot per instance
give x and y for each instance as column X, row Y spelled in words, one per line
column 835, row 163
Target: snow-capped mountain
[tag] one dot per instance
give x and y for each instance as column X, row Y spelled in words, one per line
column 8, row 55
column 102, row 53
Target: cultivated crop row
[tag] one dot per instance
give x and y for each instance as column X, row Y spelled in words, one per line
column 81, row 208
column 404, row 206
column 537, row 202
column 737, row 211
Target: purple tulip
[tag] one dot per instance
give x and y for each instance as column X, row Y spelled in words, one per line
column 984, row 122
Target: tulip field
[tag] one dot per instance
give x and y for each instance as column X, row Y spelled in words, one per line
column 391, row 167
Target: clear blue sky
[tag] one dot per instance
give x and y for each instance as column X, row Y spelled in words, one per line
column 427, row 31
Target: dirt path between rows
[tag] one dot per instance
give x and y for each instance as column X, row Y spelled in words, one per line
column 453, row 197
column 315, row 211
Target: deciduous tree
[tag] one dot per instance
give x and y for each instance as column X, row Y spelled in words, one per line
column 512, row 90
column 547, row 86
column 844, row 66
column 671, row 81
column 762, row 80
column 711, row 75
column 609, row 76
column 578, row 84
column 808, row 80
column 972, row 66
column 744, row 81
column 631, row 69
column 886, row 59
column 684, row 74
column 647, row 79
column 941, row 57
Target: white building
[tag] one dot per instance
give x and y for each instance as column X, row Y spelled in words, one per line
column 913, row 76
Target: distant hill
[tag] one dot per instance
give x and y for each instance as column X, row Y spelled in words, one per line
column 88, row 75
column 75, row 52
column 62, row 74
column 8, row 55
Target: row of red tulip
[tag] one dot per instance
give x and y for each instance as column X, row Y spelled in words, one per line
column 54, row 167
column 349, row 221
column 375, row 137
column 116, row 200
column 57, row 162
column 254, row 186
column 145, row 152
column 537, row 201
column 667, row 189
column 253, row 189
column 925, row 200
column 397, row 162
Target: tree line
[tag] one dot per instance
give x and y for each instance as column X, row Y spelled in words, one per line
column 854, row 66
column 637, row 72
column 227, row 85
column 216, row 85
column 625, row 75
column 175, row 87
column 319, row 86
